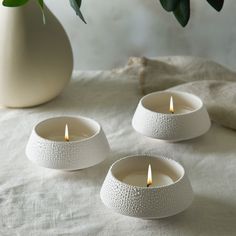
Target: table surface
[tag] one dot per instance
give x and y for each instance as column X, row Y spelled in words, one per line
column 39, row 201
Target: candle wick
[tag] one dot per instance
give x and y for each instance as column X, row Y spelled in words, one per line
column 148, row 185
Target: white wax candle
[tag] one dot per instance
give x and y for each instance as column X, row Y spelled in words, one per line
column 178, row 109
column 61, row 138
column 139, row 178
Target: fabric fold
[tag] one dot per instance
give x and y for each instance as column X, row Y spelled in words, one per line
column 212, row 82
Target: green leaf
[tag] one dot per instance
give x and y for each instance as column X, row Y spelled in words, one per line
column 41, row 4
column 14, row 3
column 76, row 4
column 169, row 5
column 182, row 12
column 217, row 4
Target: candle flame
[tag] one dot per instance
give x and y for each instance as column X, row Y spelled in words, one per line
column 149, row 177
column 172, row 105
column 67, row 138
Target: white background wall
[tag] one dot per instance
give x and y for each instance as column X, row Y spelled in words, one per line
column 118, row 29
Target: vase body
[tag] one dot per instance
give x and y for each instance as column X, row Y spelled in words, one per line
column 36, row 59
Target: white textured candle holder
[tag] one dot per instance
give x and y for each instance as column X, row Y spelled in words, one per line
column 150, row 121
column 146, row 202
column 43, row 150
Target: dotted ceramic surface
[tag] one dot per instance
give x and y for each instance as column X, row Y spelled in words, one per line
column 150, row 121
column 72, row 155
column 143, row 202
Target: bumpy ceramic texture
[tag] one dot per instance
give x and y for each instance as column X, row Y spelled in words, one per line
column 36, row 59
column 171, row 127
column 147, row 203
column 67, row 155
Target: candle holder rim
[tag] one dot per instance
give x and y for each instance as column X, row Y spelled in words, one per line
column 70, row 117
column 170, row 114
column 151, row 187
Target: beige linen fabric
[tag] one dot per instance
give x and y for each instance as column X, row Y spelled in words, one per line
column 213, row 83
column 37, row 201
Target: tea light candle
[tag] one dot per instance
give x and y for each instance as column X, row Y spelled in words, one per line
column 171, row 116
column 147, row 178
column 68, row 137
column 174, row 108
column 147, row 187
column 67, row 143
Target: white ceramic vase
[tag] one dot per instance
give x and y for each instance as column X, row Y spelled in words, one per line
column 36, row 59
